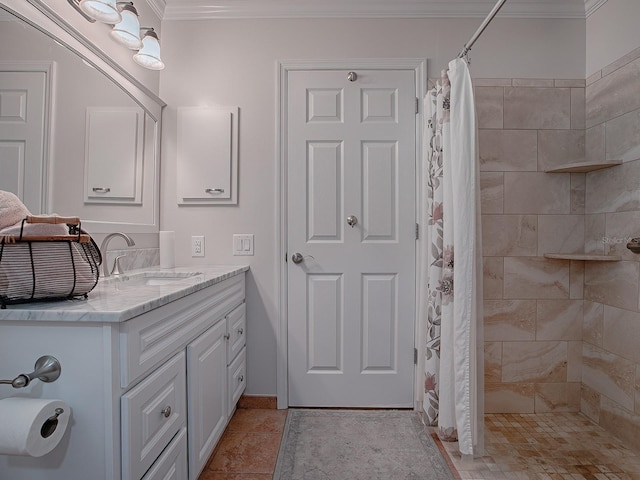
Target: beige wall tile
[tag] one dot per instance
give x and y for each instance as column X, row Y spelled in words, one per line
column 559, row 320
column 535, row 277
column 608, row 374
column 559, row 147
column 621, row 421
column 533, row 82
column 491, row 192
column 593, row 323
column 508, row 150
column 493, row 277
column 623, row 137
column 622, row 333
column 537, row 108
column 509, row 320
column 601, row 106
column 594, row 77
column 509, row 398
column 611, row 189
column 594, row 144
column 557, row 397
column 524, row 362
column 578, row 192
column 621, row 227
column 492, row 361
column 574, row 362
column 492, row 82
column 570, row 82
column 590, row 403
column 612, row 283
column 576, row 279
column 560, row 234
column 594, row 231
column 621, row 62
column 536, row 192
column 578, row 108
column 489, row 106
column 509, row 235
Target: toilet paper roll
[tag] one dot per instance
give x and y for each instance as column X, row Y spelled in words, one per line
column 167, row 249
column 32, row 426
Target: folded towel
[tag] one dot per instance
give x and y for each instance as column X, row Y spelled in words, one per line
column 12, row 210
column 35, row 229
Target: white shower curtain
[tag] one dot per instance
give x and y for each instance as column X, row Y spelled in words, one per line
column 451, row 270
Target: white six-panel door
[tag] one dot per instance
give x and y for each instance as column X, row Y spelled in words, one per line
column 22, row 130
column 351, row 300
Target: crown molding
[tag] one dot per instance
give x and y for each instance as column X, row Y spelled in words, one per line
column 591, row 6
column 236, row 9
column 158, row 6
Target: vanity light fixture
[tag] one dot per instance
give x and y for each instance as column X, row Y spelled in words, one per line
column 104, row 11
column 127, row 31
column 149, row 55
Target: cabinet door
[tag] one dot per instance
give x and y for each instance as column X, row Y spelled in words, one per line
column 207, row 155
column 151, row 414
column 237, row 379
column 207, row 394
column 172, row 464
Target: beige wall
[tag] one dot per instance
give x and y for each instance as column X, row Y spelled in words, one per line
column 233, row 62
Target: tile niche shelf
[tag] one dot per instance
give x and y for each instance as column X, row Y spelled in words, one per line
column 584, row 256
column 582, row 167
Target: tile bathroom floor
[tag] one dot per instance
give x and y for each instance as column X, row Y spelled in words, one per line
column 555, row 446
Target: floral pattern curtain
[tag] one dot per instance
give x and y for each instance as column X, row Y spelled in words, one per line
column 451, row 285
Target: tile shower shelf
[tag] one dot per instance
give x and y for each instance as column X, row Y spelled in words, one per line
column 582, row 167
column 584, row 256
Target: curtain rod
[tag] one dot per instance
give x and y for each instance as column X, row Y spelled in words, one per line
column 487, row 21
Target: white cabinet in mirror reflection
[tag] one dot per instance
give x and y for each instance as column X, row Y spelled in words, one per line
column 114, row 150
column 207, row 155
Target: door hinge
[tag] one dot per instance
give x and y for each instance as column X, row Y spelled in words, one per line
column 417, row 105
column 417, row 231
column 415, row 356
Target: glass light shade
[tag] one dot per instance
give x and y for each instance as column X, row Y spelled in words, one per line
column 104, row 11
column 149, row 54
column 127, row 32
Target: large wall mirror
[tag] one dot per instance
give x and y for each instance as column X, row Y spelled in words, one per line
column 77, row 138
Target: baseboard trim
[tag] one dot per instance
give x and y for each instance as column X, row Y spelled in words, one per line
column 258, row 401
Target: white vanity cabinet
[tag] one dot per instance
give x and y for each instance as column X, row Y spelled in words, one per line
column 150, row 396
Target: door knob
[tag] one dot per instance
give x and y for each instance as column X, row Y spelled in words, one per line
column 352, row 220
column 297, row 258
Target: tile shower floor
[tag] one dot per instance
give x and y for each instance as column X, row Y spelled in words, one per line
column 519, row 446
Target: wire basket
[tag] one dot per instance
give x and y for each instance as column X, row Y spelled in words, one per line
column 48, row 267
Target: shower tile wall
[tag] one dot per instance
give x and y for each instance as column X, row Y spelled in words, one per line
column 611, row 328
column 533, row 305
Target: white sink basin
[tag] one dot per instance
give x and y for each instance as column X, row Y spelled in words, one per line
column 151, row 278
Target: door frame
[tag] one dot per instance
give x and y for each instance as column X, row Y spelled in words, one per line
column 419, row 67
column 49, row 69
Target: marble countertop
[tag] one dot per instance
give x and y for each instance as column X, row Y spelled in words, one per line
column 117, row 299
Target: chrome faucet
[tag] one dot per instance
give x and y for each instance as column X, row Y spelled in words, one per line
column 116, row 270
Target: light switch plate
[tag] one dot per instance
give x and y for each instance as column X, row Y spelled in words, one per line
column 242, row 244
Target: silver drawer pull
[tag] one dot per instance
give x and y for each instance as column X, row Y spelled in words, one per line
column 166, row 411
column 240, row 331
column 101, row 189
column 214, row 190
column 241, row 379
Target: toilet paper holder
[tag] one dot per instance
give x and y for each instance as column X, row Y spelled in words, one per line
column 47, row 369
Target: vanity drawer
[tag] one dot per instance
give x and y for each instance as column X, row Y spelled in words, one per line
column 172, row 464
column 237, row 378
column 149, row 339
column 151, row 414
column 237, row 329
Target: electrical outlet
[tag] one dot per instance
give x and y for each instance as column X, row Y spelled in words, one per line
column 197, row 246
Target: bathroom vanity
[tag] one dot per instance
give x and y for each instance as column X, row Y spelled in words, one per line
column 153, row 364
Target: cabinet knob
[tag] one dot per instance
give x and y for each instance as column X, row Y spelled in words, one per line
column 240, row 331
column 166, row 411
column 227, row 336
column 241, row 379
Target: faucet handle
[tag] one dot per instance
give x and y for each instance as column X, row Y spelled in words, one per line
column 117, row 268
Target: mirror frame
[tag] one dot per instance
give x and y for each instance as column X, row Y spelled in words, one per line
column 37, row 14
